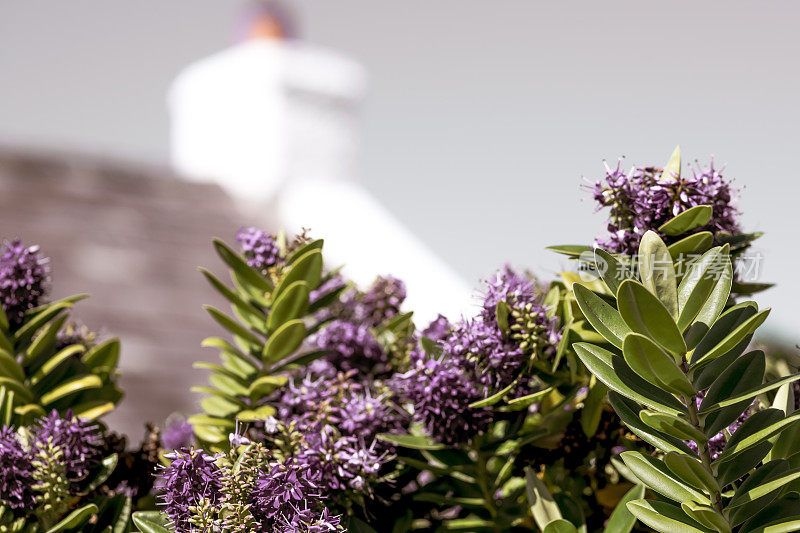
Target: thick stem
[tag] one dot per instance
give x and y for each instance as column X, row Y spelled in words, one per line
column 486, row 485
column 702, row 448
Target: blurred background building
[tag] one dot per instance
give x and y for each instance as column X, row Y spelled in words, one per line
column 476, row 128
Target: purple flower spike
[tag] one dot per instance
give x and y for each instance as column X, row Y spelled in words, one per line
column 191, row 477
column 259, row 248
column 350, row 346
column 77, row 438
column 16, row 473
column 23, row 279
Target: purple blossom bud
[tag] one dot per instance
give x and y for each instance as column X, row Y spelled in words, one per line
column 259, row 248
column 23, row 279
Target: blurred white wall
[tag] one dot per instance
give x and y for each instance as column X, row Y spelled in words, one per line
column 482, row 115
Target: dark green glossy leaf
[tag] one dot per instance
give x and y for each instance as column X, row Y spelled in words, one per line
column 604, row 318
column 742, row 375
column 655, row 474
column 151, row 522
column 656, row 366
column 665, row 517
column 691, row 471
column 628, row 411
column 622, row 520
column 239, row 265
column 76, row 518
column 416, row 442
column 571, row 250
column 600, row 362
column 308, row 268
column 645, row 314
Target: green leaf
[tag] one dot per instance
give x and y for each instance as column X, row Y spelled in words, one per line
column 308, row 268
column 10, row 368
column 760, row 489
column 655, row 474
column 752, row 393
column 698, row 284
column 697, row 243
column 30, row 327
column 672, row 425
column 239, row 265
column 628, row 411
column 560, row 526
column 105, row 469
column 571, row 250
column 665, row 518
column 256, row 415
column 540, row 501
column 665, row 402
column 604, row 318
column 692, row 472
column 742, row 375
column 621, row 520
column 645, row 314
column 56, row 361
column 266, row 385
column 658, row 272
column 74, row 519
column 284, row 341
column 291, row 304
column 782, row 516
column 303, row 250
column 502, row 311
column 729, row 341
column 71, row 386
column 672, row 170
column 705, row 376
column 707, row 516
column 761, row 426
column 721, row 328
column 151, row 522
column 522, row 402
column 494, row 398
column 611, row 270
column 233, row 297
column 105, row 354
column 693, row 218
column 653, row 364
column 593, row 408
column 600, row 362
column 713, row 307
column 729, row 470
column 232, row 325
column 218, row 407
column 415, row 442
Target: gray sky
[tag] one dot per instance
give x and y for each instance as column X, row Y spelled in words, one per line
column 482, row 116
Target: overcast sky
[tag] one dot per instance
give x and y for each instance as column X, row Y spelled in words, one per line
column 482, row 116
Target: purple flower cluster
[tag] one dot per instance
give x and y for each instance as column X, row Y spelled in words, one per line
column 191, row 478
column 441, row 389
column 344, row 462
column 286, row 496
column 77, row 441
column 382, row 301
column 350, row 346
column 282, row 489
column 353, row 406
column 23, row 279
column 643, row 199
column 477, row 359
column 16, row 472
column 259, row 248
